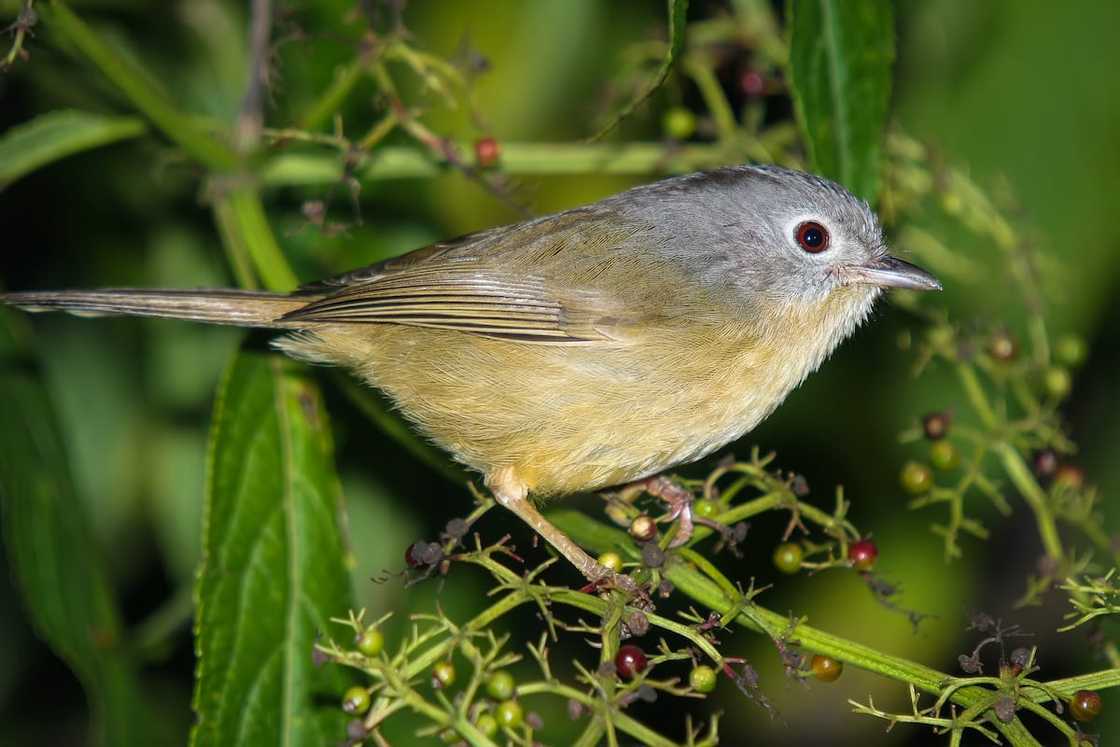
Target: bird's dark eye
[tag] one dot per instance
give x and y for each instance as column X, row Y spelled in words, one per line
column 812, row 237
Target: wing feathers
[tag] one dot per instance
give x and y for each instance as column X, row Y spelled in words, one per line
column 452, row 297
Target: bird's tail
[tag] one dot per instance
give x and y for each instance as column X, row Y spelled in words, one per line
column 218, row 306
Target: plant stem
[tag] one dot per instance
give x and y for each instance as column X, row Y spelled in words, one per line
column 410, row 162
column 687, row 579
column 332, row 99
column 976, row 396
column 1029, row 488
column 1069, row 685
column 1017, row 470
column 244, row 224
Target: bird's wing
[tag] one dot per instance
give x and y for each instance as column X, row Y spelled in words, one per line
column 554, row 280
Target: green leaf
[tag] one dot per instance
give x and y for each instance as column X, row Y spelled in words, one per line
column 138, row 86
column 274, row 566
column 53, row 559
column 677, row 11
column 58, row 134
column 841, row 52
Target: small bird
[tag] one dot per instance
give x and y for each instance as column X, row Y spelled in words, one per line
column 591, row 348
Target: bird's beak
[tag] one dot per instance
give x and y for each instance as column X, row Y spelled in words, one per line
column 891, row 272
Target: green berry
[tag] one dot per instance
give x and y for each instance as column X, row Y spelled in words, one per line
column 1071, row 350
column 706, row 509
column 944, row 456
column 702, row 679
column 1085, row 705
column 916, row 478
column 1057, row 381
column 509, row 714
column 371, row 641
column 1003, row 347
column 487, row 724
column 356, row 701
column 500, row 685
column 612, row 561
column 826, row 669
column 679, row 123
column 952, row 203
column 443, row 674
column 941, row 336
column 787, row 557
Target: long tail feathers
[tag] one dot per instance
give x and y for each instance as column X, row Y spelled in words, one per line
column 240, row 308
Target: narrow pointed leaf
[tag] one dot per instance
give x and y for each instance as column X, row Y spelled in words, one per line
column 841, row 53
column 58, row 134
column 273, row 568
column 52, row 555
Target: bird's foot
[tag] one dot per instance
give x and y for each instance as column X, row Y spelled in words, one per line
column 679, row 502
column 608, row 580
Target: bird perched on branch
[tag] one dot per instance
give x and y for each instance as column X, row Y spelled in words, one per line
column 589, row 348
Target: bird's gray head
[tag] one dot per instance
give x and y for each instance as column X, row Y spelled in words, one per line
column 777, row 236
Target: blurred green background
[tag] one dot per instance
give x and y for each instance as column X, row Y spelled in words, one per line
column 1022, row 90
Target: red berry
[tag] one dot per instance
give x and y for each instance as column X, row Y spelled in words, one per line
column 753, row 83
column 487, row 152
column 1045, row 463
column 1070, row 475
column 1085, row 705
column 936, row 425
column 412, row 554
column 863, row 554
column 630, row 661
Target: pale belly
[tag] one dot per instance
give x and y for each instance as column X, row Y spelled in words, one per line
column 569, row 419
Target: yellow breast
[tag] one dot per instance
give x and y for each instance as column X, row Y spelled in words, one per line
column 569, row 418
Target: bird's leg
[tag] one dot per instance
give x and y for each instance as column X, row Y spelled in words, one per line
column 512, row 494
column 679, row 502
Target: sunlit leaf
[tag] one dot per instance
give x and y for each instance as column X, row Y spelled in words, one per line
column 52, row 556
column 841, row 52
column 273, row 568
column 58, row 134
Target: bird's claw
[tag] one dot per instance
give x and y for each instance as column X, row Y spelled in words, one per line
column 679, row 502
column 609, row 580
